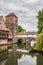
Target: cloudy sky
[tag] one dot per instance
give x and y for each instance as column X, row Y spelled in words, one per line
column 26, row 10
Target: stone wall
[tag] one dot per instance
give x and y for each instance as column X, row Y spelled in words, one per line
column 3, row 43
column 11, row 23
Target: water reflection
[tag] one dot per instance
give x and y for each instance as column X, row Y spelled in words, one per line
column 27, row 60
column 13, row 59
column 23, row 59
column 40, row 59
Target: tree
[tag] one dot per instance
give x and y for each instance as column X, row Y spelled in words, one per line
column 40, row 21
column 20, row 29
column 20, row 43
column 39, row 41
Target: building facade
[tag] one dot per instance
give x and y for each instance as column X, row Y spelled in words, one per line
column 8, row 30
column 3, row 34
column 11, row 22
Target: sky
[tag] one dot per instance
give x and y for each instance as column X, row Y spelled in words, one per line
column 25, row 10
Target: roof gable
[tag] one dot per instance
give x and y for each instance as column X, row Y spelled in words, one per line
column 11, row 14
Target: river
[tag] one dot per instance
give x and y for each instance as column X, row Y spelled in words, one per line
column 22, row 59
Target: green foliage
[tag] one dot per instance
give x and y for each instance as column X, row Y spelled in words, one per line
column 20, row 43
column 34, row 46
column 20, row 29
column 40, row 21
column 39, row 41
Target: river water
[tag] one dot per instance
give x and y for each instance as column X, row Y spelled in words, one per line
column 22, row 59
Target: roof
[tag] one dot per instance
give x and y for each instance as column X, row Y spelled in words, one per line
column 27, row 33
column 3, row 28
column 1, row 18
column 32, row 33
column 11, row 14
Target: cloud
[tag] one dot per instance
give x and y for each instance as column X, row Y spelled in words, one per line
column 26, row 10
column 30, row 1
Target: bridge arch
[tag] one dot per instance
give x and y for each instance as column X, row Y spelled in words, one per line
column 20, row 42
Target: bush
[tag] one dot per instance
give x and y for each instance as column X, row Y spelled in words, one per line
column 20, row 43
column 39, row 41
column 34, row 46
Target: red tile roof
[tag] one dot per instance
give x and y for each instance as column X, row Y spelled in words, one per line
column 3, row 28
column 11, row 14
column 27, row 33
column 1, row 17
column 31, row 33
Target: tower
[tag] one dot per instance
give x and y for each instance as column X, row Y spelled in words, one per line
column 11, row 21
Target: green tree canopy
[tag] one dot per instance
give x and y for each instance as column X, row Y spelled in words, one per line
column 20, row 29
column 39, row 41
column 40, row 21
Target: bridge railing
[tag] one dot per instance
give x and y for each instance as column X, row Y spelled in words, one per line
column 21, row 36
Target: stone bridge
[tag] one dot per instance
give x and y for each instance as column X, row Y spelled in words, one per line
column 28, row 37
